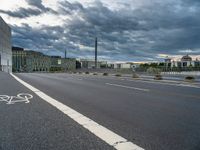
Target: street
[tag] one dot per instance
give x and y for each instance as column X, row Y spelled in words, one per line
column 152, row 115
column 38, row 125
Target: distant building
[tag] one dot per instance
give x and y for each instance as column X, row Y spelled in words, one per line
column 103, row 64
column 5, row 47
column 29, row 61
column 56, row 63
column 37, row 61
column 78, row 64
column 32, row 61
column 185, row 61
column 69, row 63
column 122, row 66
column 110, row 66
column 62, row 64
column 89, row 64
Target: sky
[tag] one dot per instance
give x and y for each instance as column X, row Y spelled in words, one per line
column 127, row 30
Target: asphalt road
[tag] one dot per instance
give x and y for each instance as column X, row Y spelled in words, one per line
column 37, row 125
column 154, row 116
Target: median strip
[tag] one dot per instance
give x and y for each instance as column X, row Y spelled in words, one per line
column 103, row 133
column 174, row 83
column 128, row 87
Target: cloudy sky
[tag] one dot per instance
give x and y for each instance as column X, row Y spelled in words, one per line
column 127, row 30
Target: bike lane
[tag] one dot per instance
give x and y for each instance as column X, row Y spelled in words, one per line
column 27, row 122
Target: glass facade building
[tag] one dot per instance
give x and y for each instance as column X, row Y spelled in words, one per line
column 29, row 61
column 32, row 61
column 5, row 47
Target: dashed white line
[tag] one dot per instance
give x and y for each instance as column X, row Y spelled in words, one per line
column 164, row 83
column 128, row 87
column 103, row 133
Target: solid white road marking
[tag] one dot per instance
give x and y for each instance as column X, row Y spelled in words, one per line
column 128, row 87
column 103, row 133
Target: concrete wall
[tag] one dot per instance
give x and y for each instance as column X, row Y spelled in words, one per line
column 5, row 47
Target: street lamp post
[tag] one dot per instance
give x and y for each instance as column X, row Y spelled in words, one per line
column 96, row 52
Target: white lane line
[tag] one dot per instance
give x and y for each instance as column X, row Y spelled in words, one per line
column 128, row 87
column 103, row 133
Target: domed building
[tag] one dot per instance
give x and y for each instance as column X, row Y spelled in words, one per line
column 186, row 61
column 183, row 62
column 186, row 58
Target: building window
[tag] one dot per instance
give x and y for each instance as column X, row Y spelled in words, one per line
column 184, row 64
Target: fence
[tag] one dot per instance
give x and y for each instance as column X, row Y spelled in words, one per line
column 165, row 71
column 169, row 69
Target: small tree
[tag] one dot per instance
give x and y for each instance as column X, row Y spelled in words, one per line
column 156, row 72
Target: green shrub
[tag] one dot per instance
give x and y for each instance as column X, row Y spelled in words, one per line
column 158, row 77
column 87, row 72
column 118, row 75
column 189, row 78
column 105, row 74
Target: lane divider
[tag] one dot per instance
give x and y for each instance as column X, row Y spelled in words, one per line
column 100, row 131
column 128, row 87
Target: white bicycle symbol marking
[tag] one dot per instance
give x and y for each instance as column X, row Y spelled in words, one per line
column 22, row 97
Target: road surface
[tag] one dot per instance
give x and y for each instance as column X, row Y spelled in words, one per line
column 39, row 126
column 152, row 115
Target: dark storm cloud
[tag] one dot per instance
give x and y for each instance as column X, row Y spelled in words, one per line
column 191, row 1
column 127, row 33
column 68, row 8
column 36, row 3
column 37, row 8
column 44, row 38
column 22, row 12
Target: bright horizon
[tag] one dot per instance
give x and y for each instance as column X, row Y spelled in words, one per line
column 131, row 30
